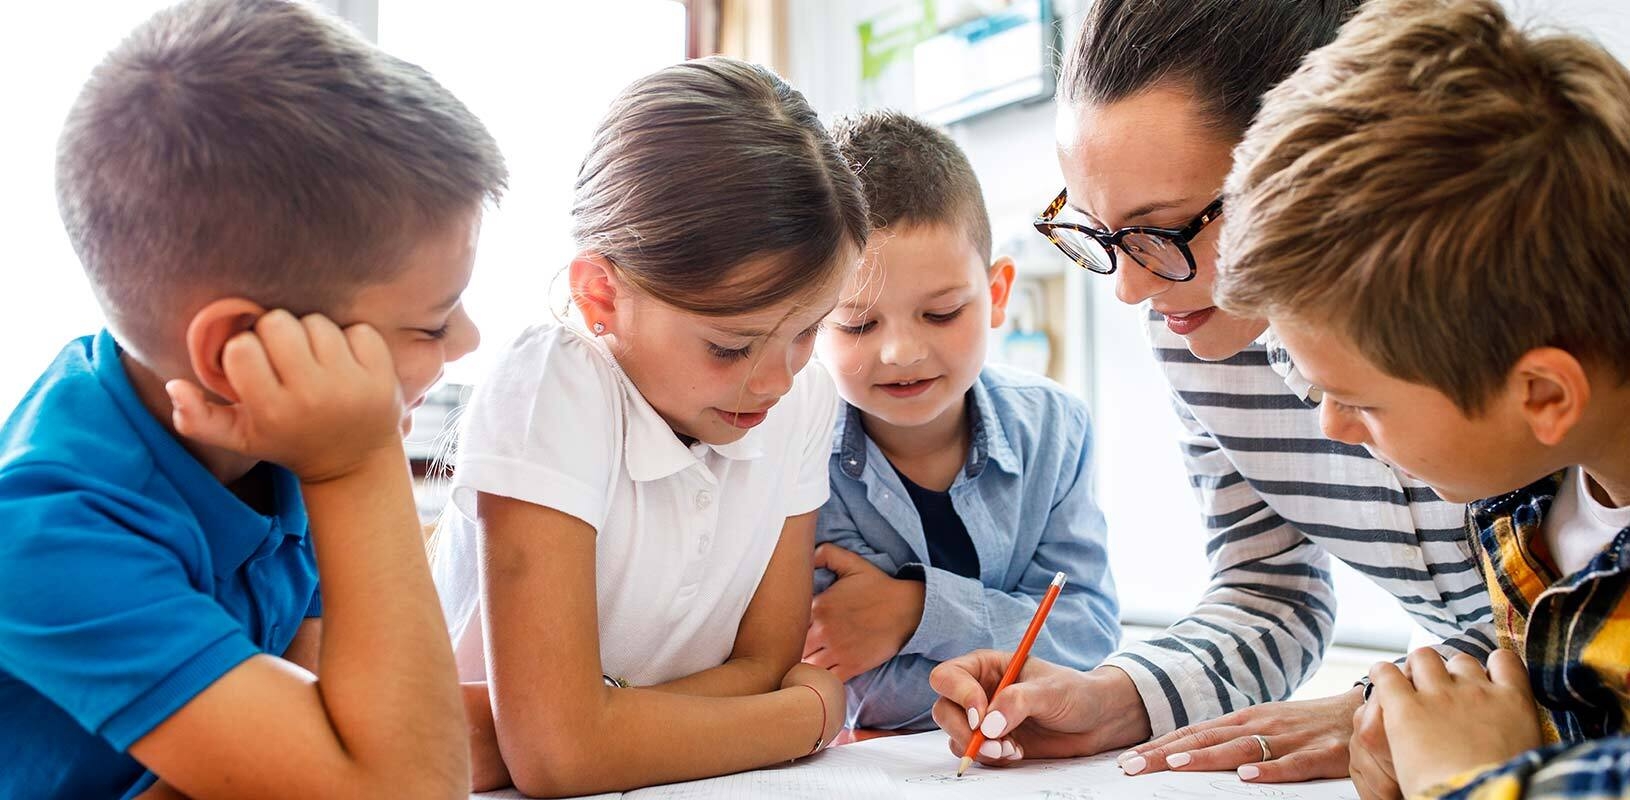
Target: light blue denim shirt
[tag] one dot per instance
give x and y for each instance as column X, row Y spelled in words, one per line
column 1026, row 497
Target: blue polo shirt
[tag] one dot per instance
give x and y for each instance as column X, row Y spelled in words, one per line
column 130, row 578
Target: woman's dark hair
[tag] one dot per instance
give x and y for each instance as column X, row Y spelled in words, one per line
column 1227, row 52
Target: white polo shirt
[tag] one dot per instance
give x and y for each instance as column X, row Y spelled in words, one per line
column 683, row 533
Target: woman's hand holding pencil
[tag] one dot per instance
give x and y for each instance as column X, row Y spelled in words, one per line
column 1048, row 712
column 1007, row 750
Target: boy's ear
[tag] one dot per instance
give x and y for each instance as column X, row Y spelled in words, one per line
column 207, row 334
column 1555, row 391
column 594, row 289
column 1001, row 275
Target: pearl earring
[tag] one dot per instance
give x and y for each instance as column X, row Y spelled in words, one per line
column 599, row 329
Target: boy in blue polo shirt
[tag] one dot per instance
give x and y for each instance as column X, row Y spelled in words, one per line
column 172, row 488
column 958, row 488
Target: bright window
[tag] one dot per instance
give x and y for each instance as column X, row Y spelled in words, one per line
column 540, row 75
column 45, row 300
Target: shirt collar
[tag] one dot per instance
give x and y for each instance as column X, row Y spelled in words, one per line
column 1279, row 360
column 1507, row 526
column 1530, row 502
column 651, row 449
column 987, row 437
column 233, row 530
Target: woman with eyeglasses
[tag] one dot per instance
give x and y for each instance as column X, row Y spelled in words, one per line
column 1152, row 100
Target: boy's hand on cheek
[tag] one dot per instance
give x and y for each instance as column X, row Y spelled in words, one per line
column 863, row 618
column 1454, row 717
column 316, row 399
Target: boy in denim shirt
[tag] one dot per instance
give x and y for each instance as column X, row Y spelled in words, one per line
column 958, row 488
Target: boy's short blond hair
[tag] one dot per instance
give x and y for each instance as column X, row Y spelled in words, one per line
column 257, row 148
column 1444, row 189
column 914, row 174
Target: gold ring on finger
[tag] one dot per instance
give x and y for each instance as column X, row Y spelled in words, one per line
column 1262, row 742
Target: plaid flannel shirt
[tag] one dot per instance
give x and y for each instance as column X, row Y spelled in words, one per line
column 1573, row 632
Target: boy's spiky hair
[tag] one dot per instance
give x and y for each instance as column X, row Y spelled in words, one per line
column 1444, row 189
column 257, row 148
column 914, row 174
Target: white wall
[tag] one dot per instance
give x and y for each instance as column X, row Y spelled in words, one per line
column 1606, row 21
column 45, row 300
column 1156, row 539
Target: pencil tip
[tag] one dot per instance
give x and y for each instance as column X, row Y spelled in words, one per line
column 963, row 767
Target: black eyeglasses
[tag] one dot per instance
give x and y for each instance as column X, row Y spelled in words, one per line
column 1162, row 251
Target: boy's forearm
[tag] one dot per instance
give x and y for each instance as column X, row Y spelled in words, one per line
column 387, row 675
column 954, row 618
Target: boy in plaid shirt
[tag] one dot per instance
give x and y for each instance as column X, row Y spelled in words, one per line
column 1434, row 213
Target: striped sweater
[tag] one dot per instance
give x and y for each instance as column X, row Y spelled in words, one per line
column 1279, row 499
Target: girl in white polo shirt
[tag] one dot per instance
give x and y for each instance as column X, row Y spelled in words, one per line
column 626, row 565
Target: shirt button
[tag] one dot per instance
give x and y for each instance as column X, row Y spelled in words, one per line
column 702, row 545
column 704, row 499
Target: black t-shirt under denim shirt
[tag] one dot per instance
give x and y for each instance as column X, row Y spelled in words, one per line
column 949, row 546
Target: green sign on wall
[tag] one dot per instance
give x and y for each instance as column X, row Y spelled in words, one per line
column 888, row 36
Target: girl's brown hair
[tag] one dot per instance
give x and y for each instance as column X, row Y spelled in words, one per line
column 704, row 166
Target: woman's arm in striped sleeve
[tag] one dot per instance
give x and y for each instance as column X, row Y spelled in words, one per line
column 1260, row 628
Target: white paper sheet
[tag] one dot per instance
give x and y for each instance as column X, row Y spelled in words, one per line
column 922, row 766
column 797, row 782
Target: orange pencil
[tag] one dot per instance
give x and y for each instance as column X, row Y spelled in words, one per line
column 1017, row 664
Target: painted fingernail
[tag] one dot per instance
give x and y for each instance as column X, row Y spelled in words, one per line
column 973, row 719
column 1134, row 765
column 1007, row 749
column 1249, row 772
column 1178, row 760
column 1121, row 759
column 1018, row 752
column 991, row 750
column 995, row 725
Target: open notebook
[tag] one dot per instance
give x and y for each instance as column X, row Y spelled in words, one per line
column 922, row 766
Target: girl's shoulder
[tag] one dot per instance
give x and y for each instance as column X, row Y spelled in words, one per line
column 559, row 345
column 552, row 366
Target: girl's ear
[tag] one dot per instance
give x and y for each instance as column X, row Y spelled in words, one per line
column 207, row 334
column 1555, row 391
column 1001, row 276
column 595, row 291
